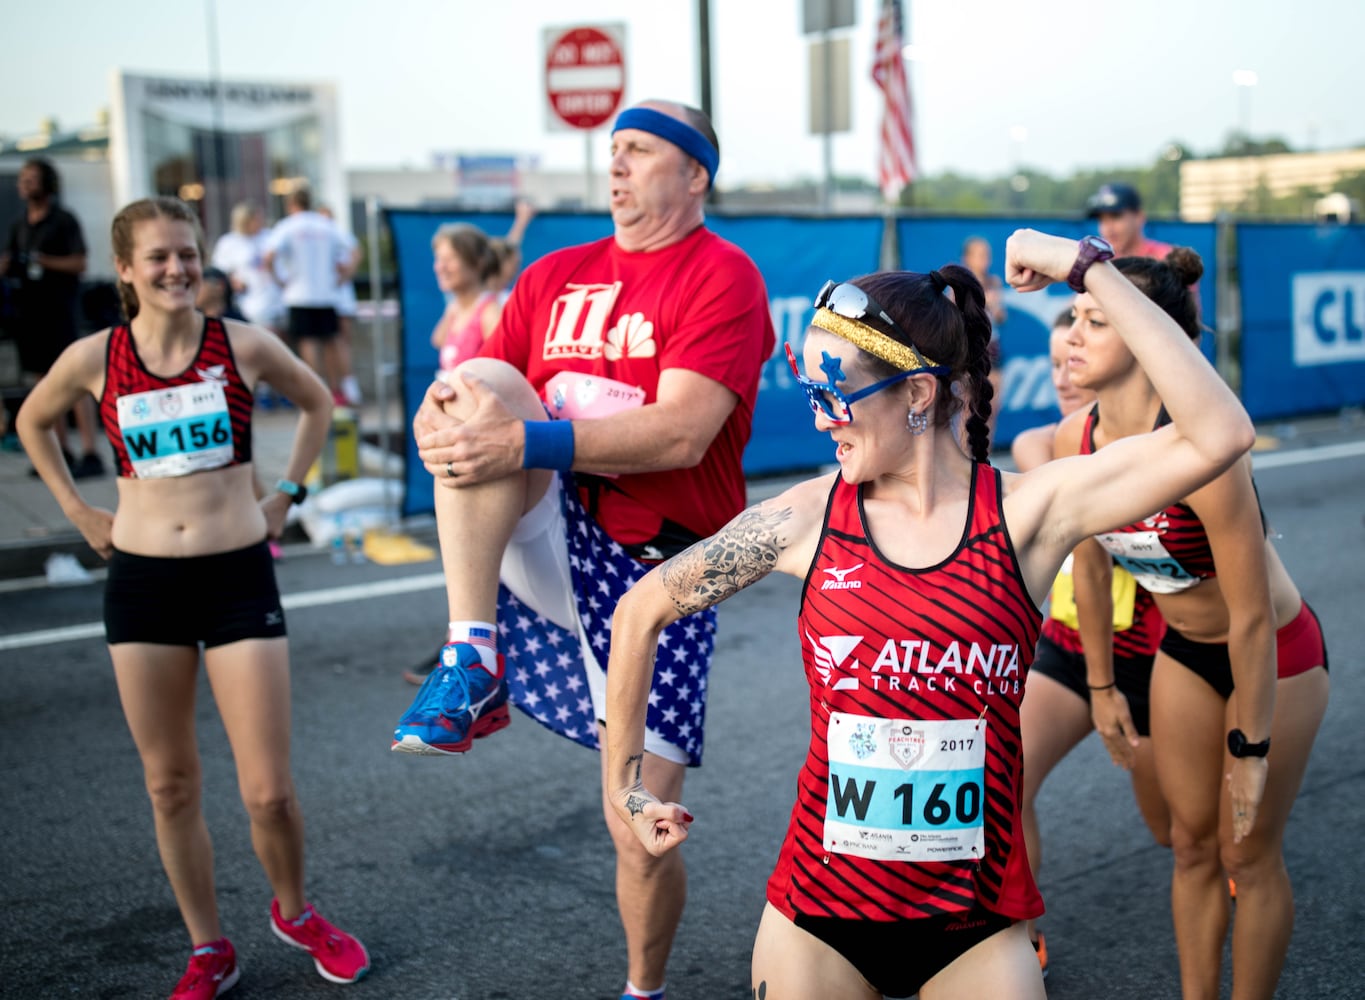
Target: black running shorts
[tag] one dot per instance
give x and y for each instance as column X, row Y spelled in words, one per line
column 215, row 599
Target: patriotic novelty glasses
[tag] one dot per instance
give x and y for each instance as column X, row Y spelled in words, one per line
column 843, row 310
column 826, row 398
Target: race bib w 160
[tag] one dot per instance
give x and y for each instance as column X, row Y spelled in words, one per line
column 177, row 431
column 905, row 789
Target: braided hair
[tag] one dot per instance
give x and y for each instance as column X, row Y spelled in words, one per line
column 951, row 331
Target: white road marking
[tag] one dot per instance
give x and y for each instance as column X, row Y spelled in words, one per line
column 431, row 581
column 1303, row 456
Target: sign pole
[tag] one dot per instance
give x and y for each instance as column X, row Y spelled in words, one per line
column 587, row 168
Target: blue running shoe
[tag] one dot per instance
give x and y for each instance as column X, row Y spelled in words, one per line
column 459, row 702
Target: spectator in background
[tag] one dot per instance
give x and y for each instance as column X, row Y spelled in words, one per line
column 307, row 251
column 215, row 299
column 1118, row 207
column 346, row 310
column 464, row 263
column 240, row 254
column 43, row 262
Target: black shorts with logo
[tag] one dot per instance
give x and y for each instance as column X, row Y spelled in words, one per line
column 310, row 323
column 214, row 599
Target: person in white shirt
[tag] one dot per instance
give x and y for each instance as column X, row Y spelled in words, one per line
column 307, row 252
column 240, row 254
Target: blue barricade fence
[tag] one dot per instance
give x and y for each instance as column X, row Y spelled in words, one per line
column 1303, row 317
column 796, row 255
column 1027, row 398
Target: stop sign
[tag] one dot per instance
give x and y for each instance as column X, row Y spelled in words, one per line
column 585, row 76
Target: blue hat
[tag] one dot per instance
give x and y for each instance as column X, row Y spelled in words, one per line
column 1113, row 199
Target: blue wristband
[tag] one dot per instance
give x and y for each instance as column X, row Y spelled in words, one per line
column 549, row 445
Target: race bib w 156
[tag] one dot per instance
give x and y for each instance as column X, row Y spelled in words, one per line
column 177, row 431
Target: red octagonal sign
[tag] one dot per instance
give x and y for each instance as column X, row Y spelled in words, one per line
column 585, row 77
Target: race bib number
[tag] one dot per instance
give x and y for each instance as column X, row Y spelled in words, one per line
column 1123, row 591
column 1142, row 554
column 906, row 790
column 177, row 431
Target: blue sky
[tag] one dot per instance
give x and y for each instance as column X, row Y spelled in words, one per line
column 1085, row 85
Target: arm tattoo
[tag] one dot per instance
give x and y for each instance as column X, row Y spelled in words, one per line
column 635, row 759
column 636, row 804
column 741, row 553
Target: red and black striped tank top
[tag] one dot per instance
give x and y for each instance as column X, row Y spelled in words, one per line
column 1168, row 552
column 197, row 420
column 908, row 802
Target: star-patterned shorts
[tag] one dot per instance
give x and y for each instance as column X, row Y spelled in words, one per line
column 555, row 667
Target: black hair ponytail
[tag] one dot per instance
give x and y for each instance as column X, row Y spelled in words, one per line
column 976, row 324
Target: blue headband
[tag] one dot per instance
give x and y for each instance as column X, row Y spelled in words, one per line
column 681, row 134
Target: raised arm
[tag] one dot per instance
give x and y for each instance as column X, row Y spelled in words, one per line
column 779, row 534
column 1058, row 504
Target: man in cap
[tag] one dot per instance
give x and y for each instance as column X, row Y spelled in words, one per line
column 1121, row 219
column 643, row 350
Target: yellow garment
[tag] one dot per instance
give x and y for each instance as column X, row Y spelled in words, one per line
column 1123, row 589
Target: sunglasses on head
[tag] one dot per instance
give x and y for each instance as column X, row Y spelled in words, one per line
column 826, row 398
column 852, row 302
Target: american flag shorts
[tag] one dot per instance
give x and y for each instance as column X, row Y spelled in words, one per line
column 546, row 672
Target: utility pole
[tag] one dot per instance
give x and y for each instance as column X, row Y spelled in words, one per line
column 704, row 71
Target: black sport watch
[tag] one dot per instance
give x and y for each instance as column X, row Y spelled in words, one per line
column 1089, row 251
column 296, row 492
column 1239, row 747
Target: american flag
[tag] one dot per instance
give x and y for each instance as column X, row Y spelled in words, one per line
column 896, row 165
column 546, row 676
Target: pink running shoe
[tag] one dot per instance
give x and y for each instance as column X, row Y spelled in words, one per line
column 212, row 972
column 339, row 957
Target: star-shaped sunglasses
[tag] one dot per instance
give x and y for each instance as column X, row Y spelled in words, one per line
column 826, row 398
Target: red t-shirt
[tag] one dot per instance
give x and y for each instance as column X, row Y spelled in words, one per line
column 1152, row 248
column 699, row 304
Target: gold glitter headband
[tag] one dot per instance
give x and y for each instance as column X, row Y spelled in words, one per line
column 874, row 342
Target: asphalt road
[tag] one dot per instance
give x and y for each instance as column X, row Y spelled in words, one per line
column 490, row 877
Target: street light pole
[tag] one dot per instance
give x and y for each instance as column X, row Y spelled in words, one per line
column 216, row 146
column 704, row 72
column 1244, row 80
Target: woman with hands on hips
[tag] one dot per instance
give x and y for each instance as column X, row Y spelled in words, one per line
column 904, row 869
column 1239, row 685
column 188, row 564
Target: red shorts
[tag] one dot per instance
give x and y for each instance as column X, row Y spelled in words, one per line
column 1299, row 648
column 1300, row 644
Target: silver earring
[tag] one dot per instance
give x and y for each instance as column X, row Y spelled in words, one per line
column 918, row 422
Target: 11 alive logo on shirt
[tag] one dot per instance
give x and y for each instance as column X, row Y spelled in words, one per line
column 578, row 326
